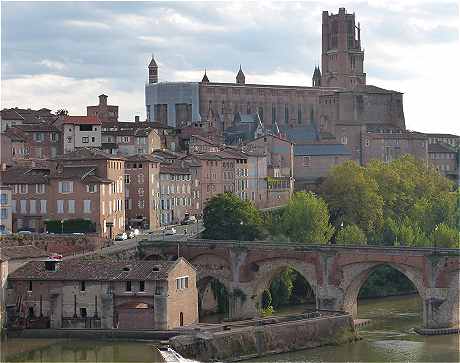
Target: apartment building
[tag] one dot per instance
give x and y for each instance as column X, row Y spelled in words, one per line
column 85, row 294
column 43, row 140
column 6, row 218
column 130, row 141
column 175, row 192
column 445, row 158
column 81, row 131
column 84, row 184
column 19, row 116
column 142, row 191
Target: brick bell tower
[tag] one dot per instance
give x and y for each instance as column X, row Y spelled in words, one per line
column 153, row 71
column 342, row 57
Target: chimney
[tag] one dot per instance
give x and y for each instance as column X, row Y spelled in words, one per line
column 102, row 100
column 136, row 118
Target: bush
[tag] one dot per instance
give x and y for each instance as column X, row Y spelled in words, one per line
column 70, row 226
column 444, row 236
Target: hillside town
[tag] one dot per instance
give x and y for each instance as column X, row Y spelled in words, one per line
column 73, row 184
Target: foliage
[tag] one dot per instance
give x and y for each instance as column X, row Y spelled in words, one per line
column 227, row 217
column 62, row 112
column 306, row 219
column 353, row 197
column 268, row 311
column 70, row 226
column 445, row 236
column 220, row 295
column 290, row 287
column 385, row 281
column 351, row 235
column 266, row 299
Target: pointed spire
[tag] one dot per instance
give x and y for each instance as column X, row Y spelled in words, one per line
column 240, row 78
column 205, row 77
column 152, row 63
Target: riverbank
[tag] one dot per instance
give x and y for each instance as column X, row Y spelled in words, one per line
column 264, row 337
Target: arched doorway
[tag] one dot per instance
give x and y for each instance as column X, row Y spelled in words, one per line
column 213, row 300
column 287, row 292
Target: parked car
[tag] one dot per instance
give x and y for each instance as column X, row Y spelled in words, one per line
column 24, row 232
column 189, row 220
column 121, row 236
column 170, row 231
column 56, row 256
column 4, row 232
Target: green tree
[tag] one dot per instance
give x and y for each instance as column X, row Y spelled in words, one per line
column 445, row 236
column 353, row 197
column 281, row 288
column 306, row 219
column 227, row 217
column 351, row 235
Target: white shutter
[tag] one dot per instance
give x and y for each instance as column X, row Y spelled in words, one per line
column 60, row 187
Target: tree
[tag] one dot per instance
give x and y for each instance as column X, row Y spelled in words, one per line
column 353, row 197
column 227, row 217
column 444, row 236
column 62, row 112
column 351, row 235
column 306, row 219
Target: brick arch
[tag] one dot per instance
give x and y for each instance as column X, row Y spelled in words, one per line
column 356, row 274
column 203, row 283
column 271, row 268
column 209, row 264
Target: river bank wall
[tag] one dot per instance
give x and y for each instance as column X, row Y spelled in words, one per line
column 266, row 337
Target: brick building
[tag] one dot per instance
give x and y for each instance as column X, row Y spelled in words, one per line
column 142, row 191
column 445, row 159
column 131, row 138
column 6, row 218
column 103, row 112
column 43, row 140
column 154, row 295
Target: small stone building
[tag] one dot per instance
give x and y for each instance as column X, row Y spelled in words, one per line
column 154, row 295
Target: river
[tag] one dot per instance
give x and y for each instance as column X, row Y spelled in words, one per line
column 389, row 338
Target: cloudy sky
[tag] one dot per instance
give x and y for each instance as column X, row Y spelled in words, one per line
column 64, row 54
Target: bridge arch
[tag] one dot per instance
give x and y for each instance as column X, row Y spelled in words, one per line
column 355, row 275
column 268, row 270
column 213, row 295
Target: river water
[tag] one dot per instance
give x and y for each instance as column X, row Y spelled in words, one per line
column 389, row 338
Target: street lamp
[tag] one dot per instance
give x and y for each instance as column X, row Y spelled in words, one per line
column 434, row 239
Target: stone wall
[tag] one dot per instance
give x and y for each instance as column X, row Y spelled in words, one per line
column 261, row 340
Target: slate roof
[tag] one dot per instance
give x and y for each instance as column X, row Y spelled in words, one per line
column 298, row 135
column 440, row 148
column 21, row 252
column 320, row 150
column 95, row 270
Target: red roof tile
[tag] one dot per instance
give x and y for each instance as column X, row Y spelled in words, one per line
column 82, row 120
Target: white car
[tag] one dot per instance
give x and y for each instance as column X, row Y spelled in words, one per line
column 121, row 237
column 170, row 231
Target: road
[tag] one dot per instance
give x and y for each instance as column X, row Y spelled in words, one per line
column 182, row 233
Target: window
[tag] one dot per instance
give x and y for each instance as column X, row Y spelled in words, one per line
column 92, row 188
column 306, row 161
column 367, row 142
column 85, row 139
column 38, row 136
column 128, row 286
column 82, row 285
column 40, row 188
column 140, row 191
column 140, row 178
column 87, row 206
column 140, row 204
column 66, row 187
column 141, row 285
column 23, row 188
column 182, row 283
column 344, row 140
column 127, row 179
column 60, row 206
column 23, row 204
column 30, row 286
column 43, row 206
column 3, row 213
column 3, row 198
column 83, row 313
column 71, row 206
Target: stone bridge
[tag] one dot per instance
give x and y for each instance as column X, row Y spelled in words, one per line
column 335, row 273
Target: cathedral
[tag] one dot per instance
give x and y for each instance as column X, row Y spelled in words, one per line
column 339, row 107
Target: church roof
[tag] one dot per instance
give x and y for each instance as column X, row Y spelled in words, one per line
column 320, row 150
column 205, row 77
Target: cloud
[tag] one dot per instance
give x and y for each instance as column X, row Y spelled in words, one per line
column 104, row 47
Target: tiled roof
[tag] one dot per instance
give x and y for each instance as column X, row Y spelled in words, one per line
column 87, row 153
column 21, row 175
column 14, row 134
column 82, row 120
column 21, row 252
column 11, row 114
column 95, row 270
column 320, row 150
column 145, row 157
column 440, row 148
column 41, row 127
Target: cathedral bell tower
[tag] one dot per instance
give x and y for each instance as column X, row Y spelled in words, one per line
column 342, row 57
